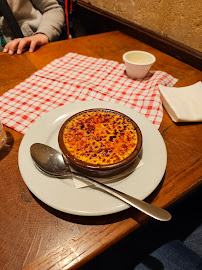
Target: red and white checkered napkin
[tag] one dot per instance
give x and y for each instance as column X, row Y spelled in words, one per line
column 77, row 77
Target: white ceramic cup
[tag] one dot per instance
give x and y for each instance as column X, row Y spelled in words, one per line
column 138, row 63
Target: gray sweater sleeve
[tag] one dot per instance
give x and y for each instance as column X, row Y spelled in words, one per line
column 52, row 18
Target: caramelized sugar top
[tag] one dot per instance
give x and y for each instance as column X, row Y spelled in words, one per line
column 100, row 137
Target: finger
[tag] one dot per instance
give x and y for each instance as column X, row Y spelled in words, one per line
column 5, row 48
column 32, row 46
column 12, row 45
column 22, row 44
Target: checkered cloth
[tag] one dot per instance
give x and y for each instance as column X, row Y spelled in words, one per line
column 77, row 77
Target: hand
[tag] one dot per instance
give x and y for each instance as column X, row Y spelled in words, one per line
column 20, row 43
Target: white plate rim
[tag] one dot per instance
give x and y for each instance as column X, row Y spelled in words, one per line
column 58, row 115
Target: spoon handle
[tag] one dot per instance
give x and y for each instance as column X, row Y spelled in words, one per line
column 151, row 210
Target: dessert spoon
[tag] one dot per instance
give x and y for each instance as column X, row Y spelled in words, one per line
column 51, row 162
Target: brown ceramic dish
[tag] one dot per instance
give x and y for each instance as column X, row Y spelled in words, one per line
column 100, row 142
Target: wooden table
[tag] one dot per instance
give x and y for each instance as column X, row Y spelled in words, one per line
column 35, row 236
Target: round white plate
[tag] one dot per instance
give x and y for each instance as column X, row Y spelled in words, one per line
column 62, row 194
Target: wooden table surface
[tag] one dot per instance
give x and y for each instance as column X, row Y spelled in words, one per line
column 35, row 236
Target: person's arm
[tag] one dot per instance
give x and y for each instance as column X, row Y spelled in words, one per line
column 48, row 30
column 52, row 20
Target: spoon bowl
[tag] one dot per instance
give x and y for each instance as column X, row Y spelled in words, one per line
column 48, row 159
column 52, row 163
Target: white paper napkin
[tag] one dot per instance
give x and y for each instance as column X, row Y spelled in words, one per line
column 82, row 183
column 184, row 104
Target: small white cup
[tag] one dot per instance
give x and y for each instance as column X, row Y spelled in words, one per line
column 138, row 63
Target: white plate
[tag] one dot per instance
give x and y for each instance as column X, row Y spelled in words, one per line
column 62, row 194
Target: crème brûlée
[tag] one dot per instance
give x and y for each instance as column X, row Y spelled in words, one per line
column 100, row 137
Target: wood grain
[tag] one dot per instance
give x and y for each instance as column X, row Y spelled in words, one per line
column 15, row 68
column 35, row 236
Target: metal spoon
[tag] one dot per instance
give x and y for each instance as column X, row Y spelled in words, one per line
column 51, row 162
